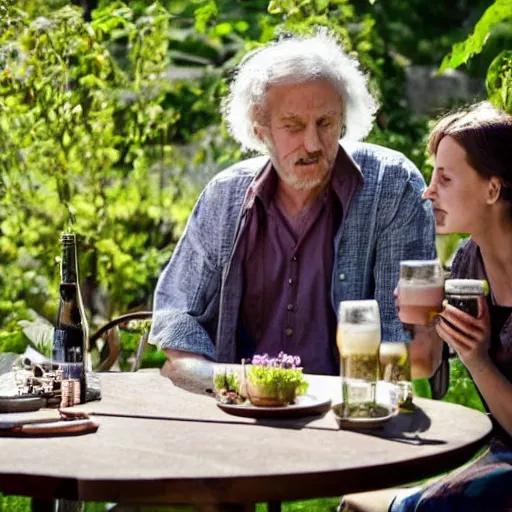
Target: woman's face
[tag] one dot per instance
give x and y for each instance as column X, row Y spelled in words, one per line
column 458, row 193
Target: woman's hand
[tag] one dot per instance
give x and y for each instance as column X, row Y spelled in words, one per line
column 470, row 337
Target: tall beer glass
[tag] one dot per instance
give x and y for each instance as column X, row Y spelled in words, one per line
column 358, row 338
column 395, row 367
column 420, row 291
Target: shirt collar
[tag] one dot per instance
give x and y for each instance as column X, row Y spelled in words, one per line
column 346, row 178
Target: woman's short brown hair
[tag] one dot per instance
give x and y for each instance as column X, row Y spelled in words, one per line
column 485, row 133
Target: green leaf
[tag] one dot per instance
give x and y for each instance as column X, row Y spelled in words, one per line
column 204, row 15
column 321, row 5
column 499, row 81
column 500, row 11
column 223, row 29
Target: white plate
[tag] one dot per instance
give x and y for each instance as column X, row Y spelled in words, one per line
column 306, row 405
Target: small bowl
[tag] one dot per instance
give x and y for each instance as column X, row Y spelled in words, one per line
column 384, row 413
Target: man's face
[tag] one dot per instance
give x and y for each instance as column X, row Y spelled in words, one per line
column 301, row 132
column 457, row 191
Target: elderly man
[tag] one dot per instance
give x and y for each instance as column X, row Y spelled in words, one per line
column 275, row 243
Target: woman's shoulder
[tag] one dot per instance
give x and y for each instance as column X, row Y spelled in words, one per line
column 467, row 263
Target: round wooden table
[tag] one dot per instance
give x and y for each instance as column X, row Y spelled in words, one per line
column 158, row 444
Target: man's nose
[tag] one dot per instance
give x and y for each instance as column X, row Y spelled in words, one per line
column 311, row 139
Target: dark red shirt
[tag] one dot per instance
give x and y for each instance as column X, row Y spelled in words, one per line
column 287, row 270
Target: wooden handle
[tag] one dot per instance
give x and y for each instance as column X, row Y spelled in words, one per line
column 56, row 428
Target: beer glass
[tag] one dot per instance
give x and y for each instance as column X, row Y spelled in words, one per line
column 358, row 338
column 420, row 291
column 463, row 294
column 395, row 368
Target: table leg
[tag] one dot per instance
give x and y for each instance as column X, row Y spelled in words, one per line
column 42, row 505
column 274, row 506
column 227, row 507
column 57, row 506
column 69, row 506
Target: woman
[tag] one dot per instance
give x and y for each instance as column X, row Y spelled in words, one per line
column 471, row 192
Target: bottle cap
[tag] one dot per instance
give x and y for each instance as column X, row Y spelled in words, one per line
column 67, row 238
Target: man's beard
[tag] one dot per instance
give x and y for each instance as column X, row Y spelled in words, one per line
column 303, row 183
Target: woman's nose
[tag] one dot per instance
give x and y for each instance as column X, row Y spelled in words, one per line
column 429, row 192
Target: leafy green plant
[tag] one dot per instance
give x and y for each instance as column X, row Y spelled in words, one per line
column 499, row 74
column 227, row 380
column 279, row 382
column 462, row 390
column 85, row 139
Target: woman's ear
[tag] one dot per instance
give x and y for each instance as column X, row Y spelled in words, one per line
column 493, row 190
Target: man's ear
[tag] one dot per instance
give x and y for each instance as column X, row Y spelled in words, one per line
column 493, row 190
column 261, row 131
column 258, row 131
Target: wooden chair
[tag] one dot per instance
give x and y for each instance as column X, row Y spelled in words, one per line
column 111, row 349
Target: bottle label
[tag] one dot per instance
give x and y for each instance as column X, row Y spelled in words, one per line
column 67, row 345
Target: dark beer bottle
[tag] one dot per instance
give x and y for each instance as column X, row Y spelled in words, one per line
column 70, row 340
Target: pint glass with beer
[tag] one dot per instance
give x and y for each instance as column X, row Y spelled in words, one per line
column 358, row 338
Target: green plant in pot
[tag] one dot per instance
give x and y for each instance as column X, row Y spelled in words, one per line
column 274, row 382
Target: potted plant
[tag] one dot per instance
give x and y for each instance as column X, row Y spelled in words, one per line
column 274, row 382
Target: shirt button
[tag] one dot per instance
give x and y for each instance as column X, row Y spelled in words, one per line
column 289, row 307
column 288, row 332
column 290, row 281
column 342, row 277
column 294, row 258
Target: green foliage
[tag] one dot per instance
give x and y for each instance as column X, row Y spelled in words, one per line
column 227, row 380
column 500, row 10
column 421, row 388
column 277, row 381
column 86, row 131
column 499, row 81
column 499, row 73
column 462, row 389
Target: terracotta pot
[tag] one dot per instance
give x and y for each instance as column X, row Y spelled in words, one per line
column 265, row 397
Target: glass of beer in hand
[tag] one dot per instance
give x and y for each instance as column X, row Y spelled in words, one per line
column 358, row 339
column 420, row 291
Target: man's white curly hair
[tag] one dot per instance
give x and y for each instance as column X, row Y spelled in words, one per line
column 294, row 60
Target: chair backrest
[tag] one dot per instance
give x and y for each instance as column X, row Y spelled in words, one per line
column 111, row 350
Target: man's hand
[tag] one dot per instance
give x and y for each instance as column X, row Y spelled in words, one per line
column 470, row 337
column 189, row 371
column 194, row 372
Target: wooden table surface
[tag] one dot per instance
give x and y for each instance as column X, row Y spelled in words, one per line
column 160, row 444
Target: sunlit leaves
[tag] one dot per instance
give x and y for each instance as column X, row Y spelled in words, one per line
column 500, row 10
column 204, row 15
column 499, row 81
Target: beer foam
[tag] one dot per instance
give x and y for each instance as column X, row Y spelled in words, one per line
column 419, row 285
column 466, row 286
column 358, row 339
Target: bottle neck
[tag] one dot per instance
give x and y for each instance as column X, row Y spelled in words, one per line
column 68, row 269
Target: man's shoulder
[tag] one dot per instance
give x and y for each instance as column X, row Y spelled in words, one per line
column 228, row 188
column 373, row 158
column 245, row 170
column 389, row 167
